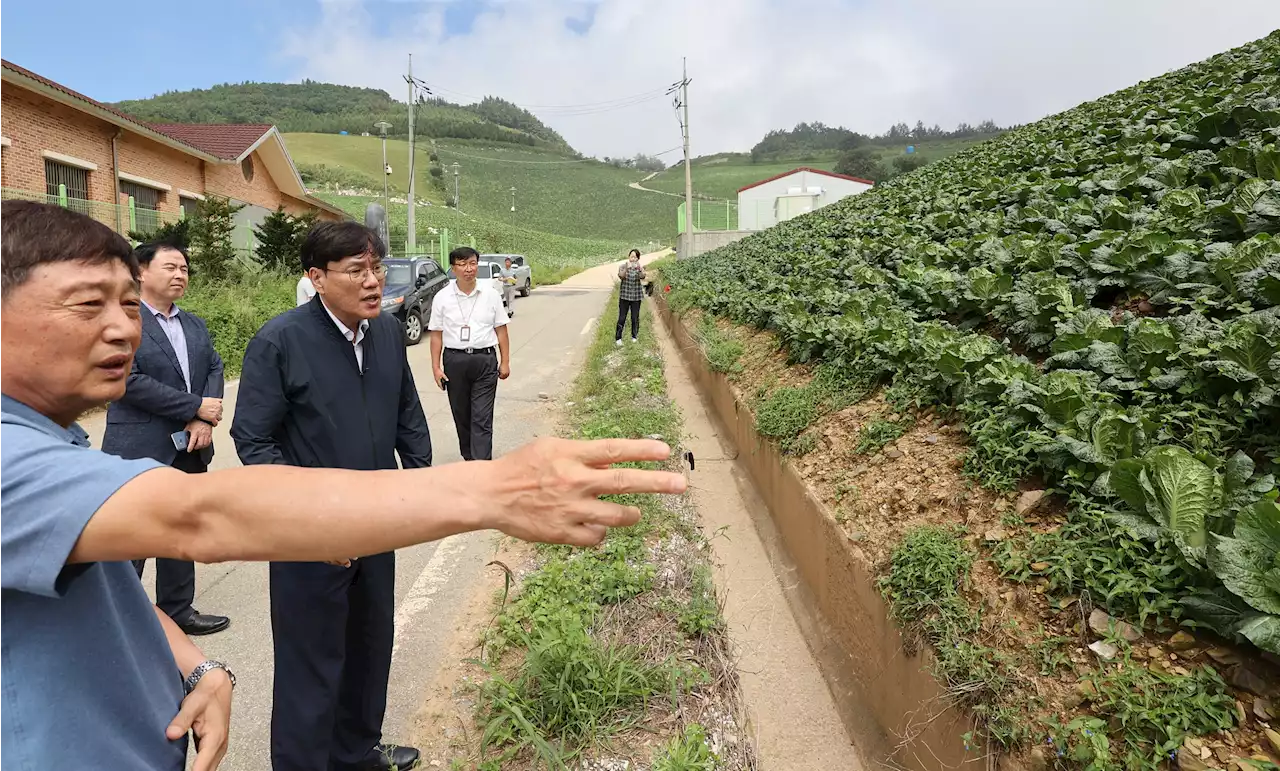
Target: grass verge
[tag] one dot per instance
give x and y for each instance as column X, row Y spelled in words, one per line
column 616, row 654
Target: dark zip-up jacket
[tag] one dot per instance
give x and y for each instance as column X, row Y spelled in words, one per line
column 303, row 401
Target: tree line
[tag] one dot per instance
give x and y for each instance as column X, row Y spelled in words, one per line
column 809, row 139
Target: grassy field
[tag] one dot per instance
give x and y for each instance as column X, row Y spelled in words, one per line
column 720, row 176
column 553, row 257
column 587, row 200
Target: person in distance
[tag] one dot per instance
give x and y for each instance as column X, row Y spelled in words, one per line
column 630, row 292
column 173, row 396
column 95, row 675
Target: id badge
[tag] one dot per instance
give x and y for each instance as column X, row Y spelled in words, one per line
column 464, row 334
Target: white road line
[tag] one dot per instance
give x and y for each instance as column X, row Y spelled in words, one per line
column 589, row 325
column 429, row 581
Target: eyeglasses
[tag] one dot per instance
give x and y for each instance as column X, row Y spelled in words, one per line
column 358, row 275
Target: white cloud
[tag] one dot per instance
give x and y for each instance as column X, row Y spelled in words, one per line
column 758, row 65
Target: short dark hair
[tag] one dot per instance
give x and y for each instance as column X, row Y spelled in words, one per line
column 34, row 234
column 462, row 253
column 636, row 252
column 328, row 242
column 147, row 252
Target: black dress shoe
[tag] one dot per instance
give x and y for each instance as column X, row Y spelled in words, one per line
column 200, row 624
column 393, row 757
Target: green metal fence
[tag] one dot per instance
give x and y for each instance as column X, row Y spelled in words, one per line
column 709, row 215
column 122, row 218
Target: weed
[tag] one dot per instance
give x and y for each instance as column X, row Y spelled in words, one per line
column 785, row 413
column 1127, row 576
column 702, row 613
column 687, row 752
column 1048, row 653
column 569, row 686
column 926, row 572
column 1143, row 717
column 846, row 489
column 721, row 351
column 878, row 433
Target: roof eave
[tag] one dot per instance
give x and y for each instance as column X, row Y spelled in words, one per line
column 836, row 175
column 80, row 105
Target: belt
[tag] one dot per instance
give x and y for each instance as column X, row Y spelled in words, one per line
column 471, row 350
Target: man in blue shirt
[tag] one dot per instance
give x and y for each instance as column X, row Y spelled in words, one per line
column 94, row 675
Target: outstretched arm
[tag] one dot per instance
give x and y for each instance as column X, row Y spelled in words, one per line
column 547, row 491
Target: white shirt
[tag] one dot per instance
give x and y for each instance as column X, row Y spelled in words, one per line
column 481, row 310
column 305, row 291
column 355, row 338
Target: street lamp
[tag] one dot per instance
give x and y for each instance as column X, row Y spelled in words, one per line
column 513, row 204
column 382, row 125
column 457, row 204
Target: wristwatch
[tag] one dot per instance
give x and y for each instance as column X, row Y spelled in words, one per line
column 203, row 669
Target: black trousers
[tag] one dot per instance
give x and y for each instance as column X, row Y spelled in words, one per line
column 333, row 628
column 473, row 385
column 625, row 307
column 176, row 579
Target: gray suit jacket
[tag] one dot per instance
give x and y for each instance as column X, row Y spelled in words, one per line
column 156, row 402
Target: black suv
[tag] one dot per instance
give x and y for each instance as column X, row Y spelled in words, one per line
column 412, row 282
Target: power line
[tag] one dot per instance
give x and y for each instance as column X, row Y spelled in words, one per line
column 512, row 160
column 585, row 108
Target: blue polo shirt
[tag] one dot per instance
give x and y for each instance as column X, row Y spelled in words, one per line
column 86, row 674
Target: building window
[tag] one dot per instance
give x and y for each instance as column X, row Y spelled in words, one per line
column 146, row 205
column 76, row 181
column 188, row 206
column 246, row 168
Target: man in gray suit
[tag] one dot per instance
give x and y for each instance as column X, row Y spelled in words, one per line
column 172, row 401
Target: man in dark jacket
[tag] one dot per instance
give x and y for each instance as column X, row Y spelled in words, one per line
column 173, row 396
column 328, row 385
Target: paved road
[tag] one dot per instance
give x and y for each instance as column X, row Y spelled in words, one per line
column 549, row 333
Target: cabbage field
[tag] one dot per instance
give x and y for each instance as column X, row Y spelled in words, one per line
column 1098, row 295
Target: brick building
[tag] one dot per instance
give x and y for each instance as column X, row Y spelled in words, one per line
column 59, row 145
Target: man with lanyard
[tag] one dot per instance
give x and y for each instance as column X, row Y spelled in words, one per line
column 467, row 323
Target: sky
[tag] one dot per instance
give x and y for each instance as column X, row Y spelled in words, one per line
column 755, row 65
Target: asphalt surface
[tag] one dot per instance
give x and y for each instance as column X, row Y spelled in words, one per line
column 549, row 334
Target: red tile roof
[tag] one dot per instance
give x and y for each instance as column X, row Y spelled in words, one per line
column 225, row 140
column 8, row 65
column 806, row 168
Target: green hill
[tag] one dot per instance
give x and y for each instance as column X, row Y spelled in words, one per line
column 555, row 193
column 327, row 108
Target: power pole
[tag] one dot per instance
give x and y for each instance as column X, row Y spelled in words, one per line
column 688, row 170
column 457, row 202
column 411, row 244
column 382, row 126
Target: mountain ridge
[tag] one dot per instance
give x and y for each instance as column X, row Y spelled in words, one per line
column 328, row 108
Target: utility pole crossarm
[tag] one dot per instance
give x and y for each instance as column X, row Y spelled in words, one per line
column 688, row 169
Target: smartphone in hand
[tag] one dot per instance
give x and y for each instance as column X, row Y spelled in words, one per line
column 181, row 440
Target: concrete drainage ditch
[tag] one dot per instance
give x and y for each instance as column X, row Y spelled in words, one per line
column 891, row 706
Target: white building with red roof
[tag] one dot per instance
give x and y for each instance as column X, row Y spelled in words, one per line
column 765, row 203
